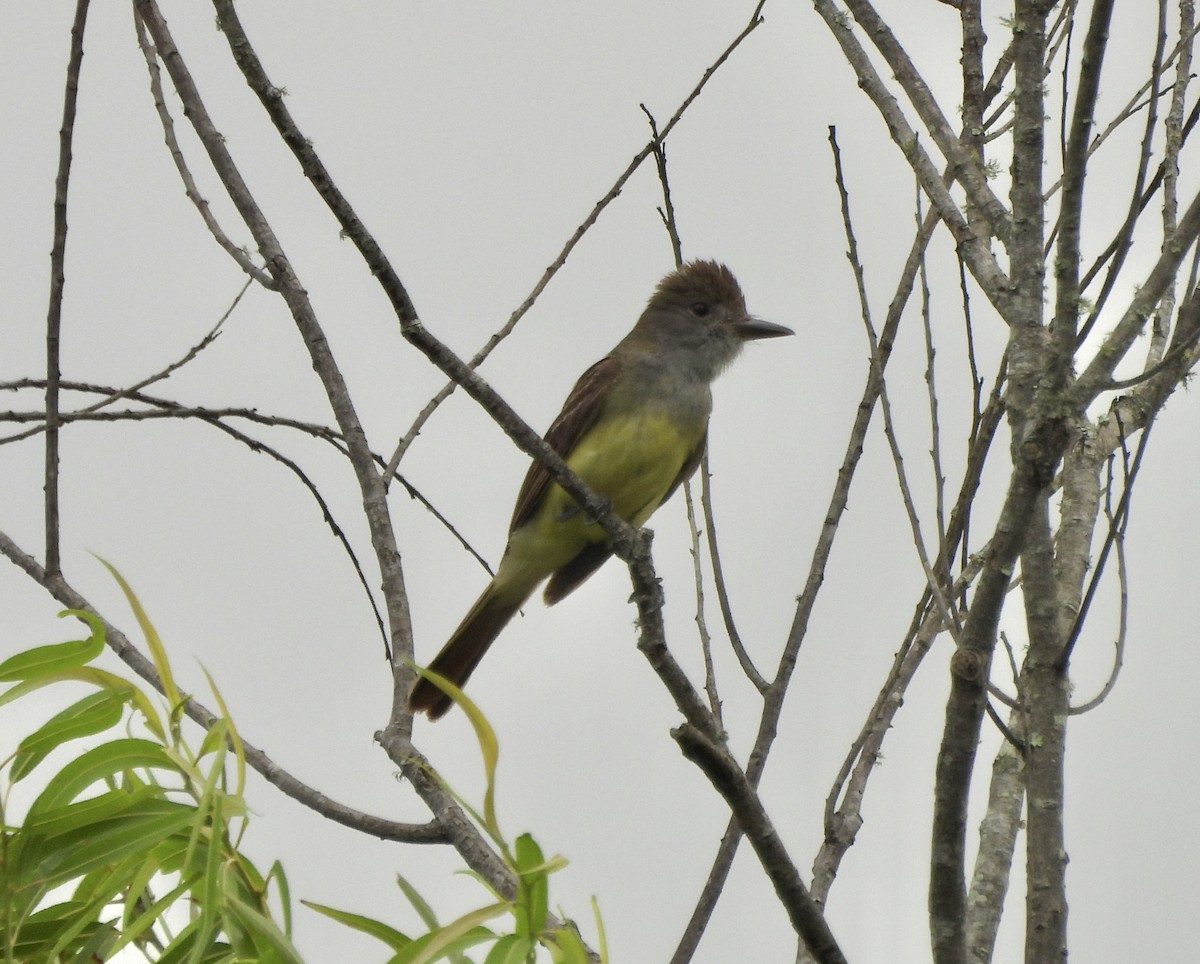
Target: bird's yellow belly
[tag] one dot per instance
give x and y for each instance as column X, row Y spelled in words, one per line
column 632, row 461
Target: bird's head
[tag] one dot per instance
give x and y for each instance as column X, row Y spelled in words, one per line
column 700, row 308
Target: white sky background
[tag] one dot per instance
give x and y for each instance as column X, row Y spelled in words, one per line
column 473, row 139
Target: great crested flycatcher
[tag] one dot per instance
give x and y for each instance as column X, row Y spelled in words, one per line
column 633, row 428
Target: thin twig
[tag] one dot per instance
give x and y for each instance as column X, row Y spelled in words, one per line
column 60, row 589
column 718, row 765
column 118, row 394
column 373, row 493
column 975, row 250
column 976, row 390
column 843, row 804
column 1115, row 530
column 239, row 254
column 58, row 253
column 1156, row 182
column 710, row 530
column 1160, row 327
column 935, row 429
column 1131, row 218
column 1065, row 323
column 1017, row 743
column 165, row 408
column 667, row 211
column 613, row 192
column 710, row 675
column 1122, row 619
column 968, row 170
column 998, row 832
column 1141, row 306
column 933, row 578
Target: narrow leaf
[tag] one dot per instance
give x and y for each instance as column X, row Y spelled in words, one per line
column 377, row 929
column 90, row 715
column 46, row 660
column 157, row 651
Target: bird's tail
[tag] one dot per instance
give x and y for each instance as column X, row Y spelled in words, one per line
column 465, row 649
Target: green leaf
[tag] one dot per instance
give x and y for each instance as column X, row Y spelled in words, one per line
column 485, row 736
column 239, row 750
column 510, row 949
column 48, row 660
column 35, row 851
column 453, row 951
column 436, row 944
column 208, row 893
column 73, row 854
column 190, row 944
column 169, row 854
column 101, row 679
column 98, row 945
column 424, row 911
column 97, row 764
column 38, row 931
column 535, row 887
column 601, row 936
column 90, row 715
column 32, row 942
column 87, row 919
column 277, row 875
column 377, row 929
column 135, row 927
column 90, row 811
column 157, row 651
column 268, row 937
column 566, row 948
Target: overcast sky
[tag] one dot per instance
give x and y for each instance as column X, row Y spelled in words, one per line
column 473, row 139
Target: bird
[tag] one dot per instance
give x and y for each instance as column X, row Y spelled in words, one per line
column 633, row 428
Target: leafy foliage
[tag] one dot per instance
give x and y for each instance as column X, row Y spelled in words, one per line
column 133, row 843
column 529, row 907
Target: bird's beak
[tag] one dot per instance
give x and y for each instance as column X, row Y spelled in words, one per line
column 749, row 329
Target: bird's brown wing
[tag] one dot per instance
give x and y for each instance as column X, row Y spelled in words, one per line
column 579, row 413
column 689, row 465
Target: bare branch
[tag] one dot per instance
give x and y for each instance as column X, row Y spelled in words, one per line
column 1116, row 527
column 58, row 253
column 613, row 192
column 1125, row 233
column 974, row 248
column 116, row 394
column 1045, row 691
column 238, row 253
column 1098, row 373
column 932, row 578
column 1039, row 439
column 935, row 429
column 805, row 913
column 667, row 211
column 316, row 801
column 964, row 168
column 1063, row 325
column 710, row 676
column 997, row 842
column 374, row 495
column 710, row 527
column 843, row 805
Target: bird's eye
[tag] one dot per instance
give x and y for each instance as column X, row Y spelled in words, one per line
column 701, row 309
